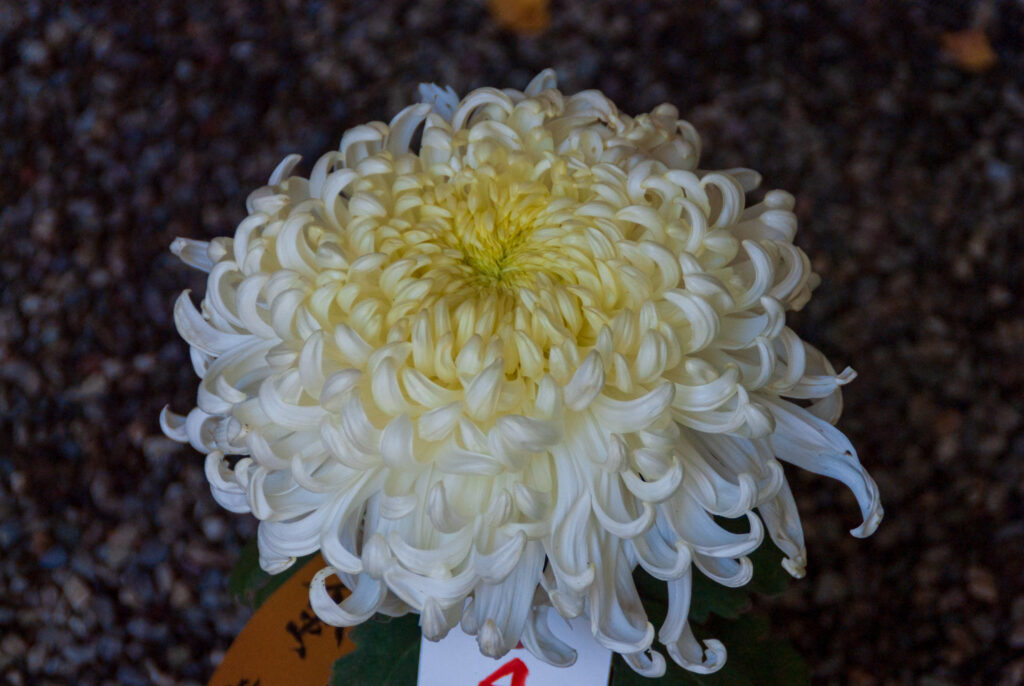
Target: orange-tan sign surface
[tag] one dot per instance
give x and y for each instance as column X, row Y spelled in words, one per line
column 285, row 644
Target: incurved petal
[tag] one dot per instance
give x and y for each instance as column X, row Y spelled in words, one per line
column 359, row 606
column 815, row 445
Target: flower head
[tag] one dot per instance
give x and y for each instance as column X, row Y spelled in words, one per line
column 494, row 355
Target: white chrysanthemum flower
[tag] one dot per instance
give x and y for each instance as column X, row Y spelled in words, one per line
column 493, row 355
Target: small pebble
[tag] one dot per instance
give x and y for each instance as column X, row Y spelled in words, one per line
column 981, row 585
column 77, row 593
column 53, row 558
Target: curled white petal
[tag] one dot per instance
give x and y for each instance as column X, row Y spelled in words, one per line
column 199, row 332
column 586, row 383
column 817, row 446
column 193, row 253
column 541, row 641
column 228, row 494
column 359, row 606
column 173, row 425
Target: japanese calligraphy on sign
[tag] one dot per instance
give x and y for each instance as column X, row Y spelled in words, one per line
column 285, row 642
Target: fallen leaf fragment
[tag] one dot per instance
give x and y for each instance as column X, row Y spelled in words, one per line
column 521, row 16
column 970, row 50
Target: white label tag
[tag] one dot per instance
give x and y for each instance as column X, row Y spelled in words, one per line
column 455, row 660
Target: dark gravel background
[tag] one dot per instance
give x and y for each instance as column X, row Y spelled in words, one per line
column 122, row 128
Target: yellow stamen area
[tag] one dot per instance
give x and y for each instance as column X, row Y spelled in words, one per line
column 505, row 224
column 494, row 237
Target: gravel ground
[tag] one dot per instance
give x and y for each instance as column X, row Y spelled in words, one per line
column 121, row 129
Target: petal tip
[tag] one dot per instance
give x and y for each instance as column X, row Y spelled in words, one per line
column 871, row 522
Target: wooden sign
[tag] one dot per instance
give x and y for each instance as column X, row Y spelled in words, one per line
column 285, row 643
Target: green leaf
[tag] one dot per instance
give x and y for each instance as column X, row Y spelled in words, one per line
column 252, row 586
column 387, row 654
column 712, row 597
column 755, row 659
column 755, row 654
column 770, row 577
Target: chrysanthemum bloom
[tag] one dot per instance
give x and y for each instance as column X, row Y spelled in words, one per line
column 494, row 355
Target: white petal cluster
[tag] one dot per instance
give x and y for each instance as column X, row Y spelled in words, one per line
column 491, row 357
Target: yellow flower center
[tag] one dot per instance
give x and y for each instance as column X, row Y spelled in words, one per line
column 498, row 228
column 495, row 241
